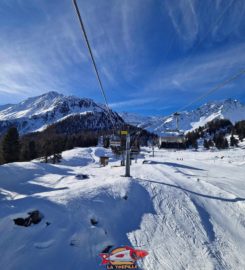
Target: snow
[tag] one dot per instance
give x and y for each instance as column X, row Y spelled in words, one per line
column 37, row 113
column 226, row 109
column 186, row 208
column 47, row 103
column 32, row 106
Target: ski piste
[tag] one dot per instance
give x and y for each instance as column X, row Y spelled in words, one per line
column 179, row 208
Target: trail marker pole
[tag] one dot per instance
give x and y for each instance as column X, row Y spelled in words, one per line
column 123, row 159
column 127, row 171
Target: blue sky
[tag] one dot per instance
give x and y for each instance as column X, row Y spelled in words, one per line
column 154, row 56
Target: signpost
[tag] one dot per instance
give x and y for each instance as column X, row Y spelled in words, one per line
column 124, row 132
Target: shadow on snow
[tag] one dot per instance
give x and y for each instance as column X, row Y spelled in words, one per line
column 173, row 164
column 237, row 199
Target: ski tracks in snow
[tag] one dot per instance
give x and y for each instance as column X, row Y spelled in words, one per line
column 187, row 232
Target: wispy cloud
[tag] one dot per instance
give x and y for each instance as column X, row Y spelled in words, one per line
column 197, row 75
column 184, row 18
column 132, row 103
column 209, row 21
column 38, row 58
column 147, row 52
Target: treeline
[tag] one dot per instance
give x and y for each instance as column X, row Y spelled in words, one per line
column 47, row 145
column 214, row 134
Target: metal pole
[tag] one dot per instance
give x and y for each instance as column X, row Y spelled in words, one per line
column 177, row 120
column 127, row 171
column 123, row 159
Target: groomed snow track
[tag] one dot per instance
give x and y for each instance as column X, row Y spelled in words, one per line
column 186, row 208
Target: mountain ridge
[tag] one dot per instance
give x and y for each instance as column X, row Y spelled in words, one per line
column 230, row 109
column 37, row 113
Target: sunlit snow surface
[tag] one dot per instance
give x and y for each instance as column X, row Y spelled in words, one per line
column 186, row 208
column 189, row 120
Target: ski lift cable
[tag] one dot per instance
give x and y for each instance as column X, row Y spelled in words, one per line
column 214, row 89
column 219, row 18
column 93, row 60
column 199, row 43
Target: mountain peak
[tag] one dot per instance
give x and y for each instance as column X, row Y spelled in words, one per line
column 44, row 103
column 51, row 94
column 228, row 101
column 36, row 113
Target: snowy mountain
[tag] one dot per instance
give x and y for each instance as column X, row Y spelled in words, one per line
column 150, row 123
column 227, row 109
column 36, row 113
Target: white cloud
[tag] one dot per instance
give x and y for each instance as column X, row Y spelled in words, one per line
column 50, row 54
column 210, row 20
column 184, row 18
column 38, row 58
column 132, row 103
column 197, row 74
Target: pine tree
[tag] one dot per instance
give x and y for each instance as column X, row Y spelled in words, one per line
column 221, row 142
column 32, row 150
column 240, row 129
column 233, row 141
column 57, row 147
column 210, row 143
column 218, row 139
column 1, row 157
column 206, row 144
column 24, row 154
column 225, row 144
column 46, row 150
column 11, row 146
column 106, row 142
column 195, row 144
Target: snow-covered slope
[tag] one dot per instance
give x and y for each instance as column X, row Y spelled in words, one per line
column 32, row 106
column 36, row 113
column 227, row 109
column 186, row 212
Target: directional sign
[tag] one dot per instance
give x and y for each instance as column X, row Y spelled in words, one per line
column 115, row 143
column 124, row 132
